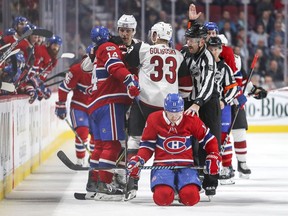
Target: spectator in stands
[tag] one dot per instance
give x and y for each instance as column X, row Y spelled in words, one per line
column 275, row 72
column 259, row 34
column 277, row 31
column 181, row 31
column 226, row 18
column 268, row 83
column 229, row 33
column 267, row 21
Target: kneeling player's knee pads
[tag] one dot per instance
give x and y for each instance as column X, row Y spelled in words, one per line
column 163, row 195
column 189, row 195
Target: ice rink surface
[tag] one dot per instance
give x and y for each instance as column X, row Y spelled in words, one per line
column 49, row 191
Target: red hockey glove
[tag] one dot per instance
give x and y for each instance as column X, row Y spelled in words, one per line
column 133, row 166
column 132, row 84
column 240, row 99
column 60, row 110
column 212, row 163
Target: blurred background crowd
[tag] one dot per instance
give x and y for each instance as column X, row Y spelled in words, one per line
column 264, row 34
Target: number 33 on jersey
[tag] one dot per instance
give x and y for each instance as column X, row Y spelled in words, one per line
column 161, row 71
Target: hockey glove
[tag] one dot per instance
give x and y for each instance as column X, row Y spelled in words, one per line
column 240, row 99
column 258, row 92
column 60, row 110
column 32, row 94
column 212, row 163
column 132, row 85
column 133, row 166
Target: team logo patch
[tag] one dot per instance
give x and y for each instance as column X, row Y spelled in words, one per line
column 174, row 145
column 110, row 48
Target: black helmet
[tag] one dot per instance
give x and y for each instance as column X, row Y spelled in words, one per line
column 215, row 42
column 196, row 31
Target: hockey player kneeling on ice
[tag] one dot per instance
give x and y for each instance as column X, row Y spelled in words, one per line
column 167, row 134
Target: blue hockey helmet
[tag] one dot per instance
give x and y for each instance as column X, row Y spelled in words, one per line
column 173, row 103
column 9, row 31
column 29, row 26
column 89, row 48
column 210, row 26
column 19, row 19
column 99, row 35
column 55, row 40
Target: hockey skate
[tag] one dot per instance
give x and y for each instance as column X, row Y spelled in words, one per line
column 107, row 192
column 243, row 169
column 100, row 191
column 131, row 190
column 210, row 192
column 226, row 176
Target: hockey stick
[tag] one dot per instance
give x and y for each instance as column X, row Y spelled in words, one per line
column 23, row 75
column 78, row 137
column 40, row 32
column 5, row 46
column 55, row 83
column 61, row 74
column 10, row 54
column 238, row 108
column 64, row 158
column 7, row 86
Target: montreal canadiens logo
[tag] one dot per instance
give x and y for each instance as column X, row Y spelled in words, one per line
column 174, row 145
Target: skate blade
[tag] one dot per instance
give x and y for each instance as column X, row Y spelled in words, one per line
column 210, row 197
column 90, row 195
column 106, row 197
column 130, row 195
column 244, row 176
column 227, row 182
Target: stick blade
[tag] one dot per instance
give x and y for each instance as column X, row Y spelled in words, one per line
column 7, row 87
column 68, row 55
column 42, row 32
column 63, row 157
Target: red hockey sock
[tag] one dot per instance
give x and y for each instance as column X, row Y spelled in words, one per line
column 163, row 195
column 83, row 134
column 189, row 195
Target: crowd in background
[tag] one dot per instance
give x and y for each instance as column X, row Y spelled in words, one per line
column 266, row 27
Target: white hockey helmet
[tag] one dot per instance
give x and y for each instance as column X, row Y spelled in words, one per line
column 127, row 21
column 163, row 30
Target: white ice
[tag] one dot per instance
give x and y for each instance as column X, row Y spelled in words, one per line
column 49, row 191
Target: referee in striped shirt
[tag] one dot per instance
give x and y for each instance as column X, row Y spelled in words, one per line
column 204, row 98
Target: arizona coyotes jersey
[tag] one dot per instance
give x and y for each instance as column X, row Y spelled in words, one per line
column 172, row 144
column 78, row 81
column 43, row 63
column 161, row 71
column 108, row 76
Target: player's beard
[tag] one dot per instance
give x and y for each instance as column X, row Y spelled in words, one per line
column 53, row 52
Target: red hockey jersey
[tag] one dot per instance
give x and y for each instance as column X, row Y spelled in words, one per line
column 22, row 45
column 107, row 76
column 79, row 82
column 44, row 63
column 172, row 144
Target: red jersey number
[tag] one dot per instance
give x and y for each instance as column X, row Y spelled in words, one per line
column 158, row 68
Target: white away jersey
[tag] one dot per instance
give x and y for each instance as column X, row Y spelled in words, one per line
column 158, row 71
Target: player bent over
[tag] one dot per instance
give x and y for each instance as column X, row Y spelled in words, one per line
column 168, row 134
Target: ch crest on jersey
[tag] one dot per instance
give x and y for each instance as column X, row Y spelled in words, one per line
column 174, row 145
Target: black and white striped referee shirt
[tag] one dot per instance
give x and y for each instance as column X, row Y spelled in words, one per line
column 204, row 85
